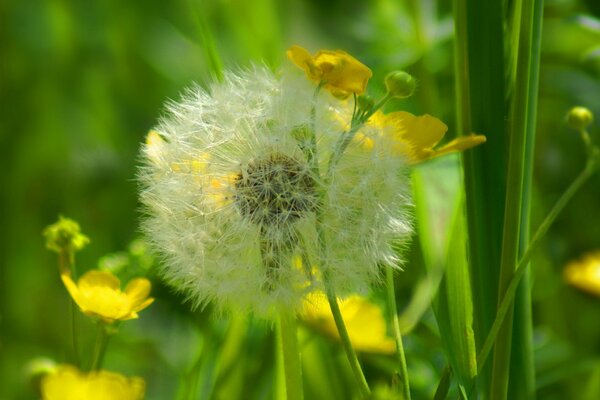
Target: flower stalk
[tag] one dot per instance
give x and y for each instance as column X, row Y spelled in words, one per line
column 100, row 346
column 391, row 292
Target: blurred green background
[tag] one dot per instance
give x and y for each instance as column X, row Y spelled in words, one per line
column 81, row 82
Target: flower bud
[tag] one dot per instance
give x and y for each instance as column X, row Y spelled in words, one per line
column 365, row 103
column 579, row 118
column 65, row 235
column 400, row 84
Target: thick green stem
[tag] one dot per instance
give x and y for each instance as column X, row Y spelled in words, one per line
column 389, row 272
column 100, row 346
column 291, row 354
column 346, row 343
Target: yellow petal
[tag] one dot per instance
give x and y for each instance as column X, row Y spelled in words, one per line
column 422, row 132
column 342, row 72
column 95, row 278
column 302, row 58
column 459, row 144
column 138, row 290
column 338, row 71
column 584, row 274
column 71, row 286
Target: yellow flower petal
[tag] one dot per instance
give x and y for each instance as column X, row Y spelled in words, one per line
column 338, row 71
column 584, row 274
column 364, row 321
column 68, row 383
column 138, row 290
column 416, row 136
column 95, row 278
column 98, row 294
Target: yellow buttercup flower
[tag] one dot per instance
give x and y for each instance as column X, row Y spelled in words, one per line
column 338, row 71
column 417, row 136
column 68, row 383
column 364, row 322
column 98, row 294
column 584, row 274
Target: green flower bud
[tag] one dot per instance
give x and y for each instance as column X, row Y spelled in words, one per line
column 579, row 118
column 365, row 103
column 400, row 84
column 65, row 235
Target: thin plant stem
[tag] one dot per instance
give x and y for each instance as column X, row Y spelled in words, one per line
column 521, row 269
column 345, row 339
column 291, row 354
column 389, row 272
column 511, row 289
column 66, row 264
column 322, row 241
column 100, row 346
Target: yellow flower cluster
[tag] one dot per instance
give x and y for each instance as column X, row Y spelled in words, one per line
column 414, row 137
column 68, row 383
column 98, row 294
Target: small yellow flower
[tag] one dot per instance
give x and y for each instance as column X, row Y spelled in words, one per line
column 65, row 235
column 68, row 383
column 416, row 136
column 364, row 322
column 584, row 274
column 98, row 294
column 338, row 71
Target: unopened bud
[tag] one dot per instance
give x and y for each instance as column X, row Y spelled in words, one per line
column 365, row 103
column 65, row 235
column 400, row 84
column 579, row 118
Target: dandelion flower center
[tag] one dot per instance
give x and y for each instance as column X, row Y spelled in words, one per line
column 275, row 190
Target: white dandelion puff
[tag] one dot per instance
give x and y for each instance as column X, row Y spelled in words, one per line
column 232, row 201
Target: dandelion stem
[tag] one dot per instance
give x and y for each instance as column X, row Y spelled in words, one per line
column 345, row 338
column 100, row 346
column 291, row 354
column 389, row 272
column 331, row 297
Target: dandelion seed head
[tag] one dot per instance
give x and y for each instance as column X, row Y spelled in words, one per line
column 230, row 199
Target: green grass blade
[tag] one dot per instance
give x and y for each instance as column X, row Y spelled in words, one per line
column 522, row 368
column 481, row 107
column 442, row 229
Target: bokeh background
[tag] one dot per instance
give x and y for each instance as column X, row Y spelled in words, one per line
column 81, row 83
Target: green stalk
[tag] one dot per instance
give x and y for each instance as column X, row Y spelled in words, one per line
column 520, row 114
column 100, row 346
column 207, row 42
column 322, row 240
column 345, row 339
column 507, row 300
column 291, row 355
column 66, row 262
column 389, row 272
